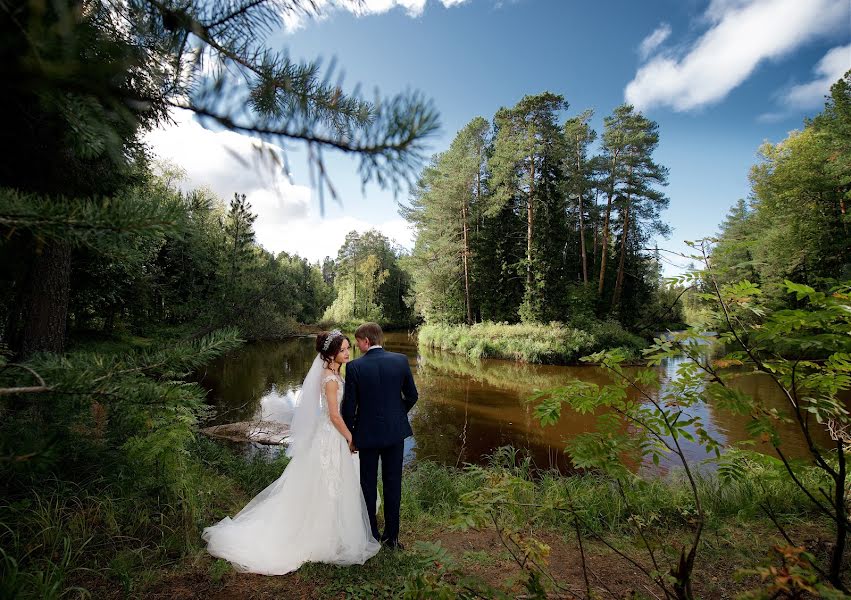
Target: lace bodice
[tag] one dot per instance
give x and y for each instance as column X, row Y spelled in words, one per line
column 332, row 446
column 325, row 379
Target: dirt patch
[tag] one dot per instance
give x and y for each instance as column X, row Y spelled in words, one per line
column 482, row 555
column 232, row 587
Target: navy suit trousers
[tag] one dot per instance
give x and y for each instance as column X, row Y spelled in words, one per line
column 391, row 478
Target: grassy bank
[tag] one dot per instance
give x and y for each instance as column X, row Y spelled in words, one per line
column 106, row 487
column 552, row 343
column 100, row 536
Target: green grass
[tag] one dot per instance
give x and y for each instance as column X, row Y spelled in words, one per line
column 552, row 343
column 432, row 495
column 379, row 577
column 65, row 535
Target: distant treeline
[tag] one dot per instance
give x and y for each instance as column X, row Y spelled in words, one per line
column 795, row 224
column 202, row 270
column 525, row 219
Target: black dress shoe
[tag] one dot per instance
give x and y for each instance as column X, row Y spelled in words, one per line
column 393, row 544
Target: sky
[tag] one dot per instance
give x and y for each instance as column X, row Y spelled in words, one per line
column 720, row 77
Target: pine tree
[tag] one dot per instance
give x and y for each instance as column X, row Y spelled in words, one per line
column 442, row 208
column 527, row 142
column 629, row 140
column 640, row 202
column 88, row 82
column 578, row 136
column 239, row 237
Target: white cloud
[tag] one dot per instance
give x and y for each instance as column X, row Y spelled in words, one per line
column 287, row 214
column 323, row 8
column 741, row 34
column 654, row 40
column 229, row 163
column 829, row 69
column 314, row 237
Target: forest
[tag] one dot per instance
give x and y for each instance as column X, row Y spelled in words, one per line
column 545, row 230
column 119, row 283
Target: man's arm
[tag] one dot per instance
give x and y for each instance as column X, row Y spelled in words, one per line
column 349, row 407
column 409, row 389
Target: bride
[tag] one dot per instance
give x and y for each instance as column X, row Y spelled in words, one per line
column 315, row 510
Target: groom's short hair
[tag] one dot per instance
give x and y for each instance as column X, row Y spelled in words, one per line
column 370, row 332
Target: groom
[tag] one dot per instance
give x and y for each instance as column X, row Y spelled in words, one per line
column 379, row 393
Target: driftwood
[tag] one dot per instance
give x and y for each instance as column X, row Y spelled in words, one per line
column 262, row 432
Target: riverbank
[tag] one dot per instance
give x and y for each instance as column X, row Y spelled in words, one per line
column 478, row 556
column 110, row 493
column 114, row 553
column 552, row 343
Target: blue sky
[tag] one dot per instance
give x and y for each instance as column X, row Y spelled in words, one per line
column 719, row 76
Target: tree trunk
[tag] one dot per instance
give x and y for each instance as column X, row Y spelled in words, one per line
column 596, row 228
column 355, row 292
column 603, row 246
column 465, row 257
column 46, row 300
column 530, row 217
column 582, row 253
column 622, row 259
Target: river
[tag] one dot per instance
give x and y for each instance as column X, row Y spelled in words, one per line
column 466, row 408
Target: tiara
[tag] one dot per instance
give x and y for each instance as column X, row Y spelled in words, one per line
column 331, row 335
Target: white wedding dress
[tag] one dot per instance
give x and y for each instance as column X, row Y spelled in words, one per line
column 314, row 511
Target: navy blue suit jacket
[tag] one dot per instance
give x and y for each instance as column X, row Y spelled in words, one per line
column 379, row 392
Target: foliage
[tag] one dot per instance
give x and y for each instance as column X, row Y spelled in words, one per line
column 119, row 539
column 444, row 210
column 805, row 353
column 554, row 343
column 201, row 269
column 97, row 457
column 89, row 83
column 508, row 224
column 370, row 283
column 796, row 224
column 793, row 579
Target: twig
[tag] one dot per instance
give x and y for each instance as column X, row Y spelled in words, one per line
column 33, row 389
column 604, row 586
column 24, row 390
column 582, row 557
column 803, row 488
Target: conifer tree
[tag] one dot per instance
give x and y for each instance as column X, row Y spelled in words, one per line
column 527, row 142
column 442, row 208
column 578, row 136
column 88, row 79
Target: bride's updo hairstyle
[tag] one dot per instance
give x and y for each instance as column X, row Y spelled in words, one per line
column 328, row 344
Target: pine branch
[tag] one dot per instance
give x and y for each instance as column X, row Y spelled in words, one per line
column 86, row 221
column 280, row 100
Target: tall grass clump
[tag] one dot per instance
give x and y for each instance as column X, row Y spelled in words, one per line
column 431, row 493
column 436, row 493
column 553, row 343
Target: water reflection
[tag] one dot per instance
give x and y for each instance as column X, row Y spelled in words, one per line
column 466, row 408
column 259, row 380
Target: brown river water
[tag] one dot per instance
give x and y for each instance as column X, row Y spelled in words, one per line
column 466, row 408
